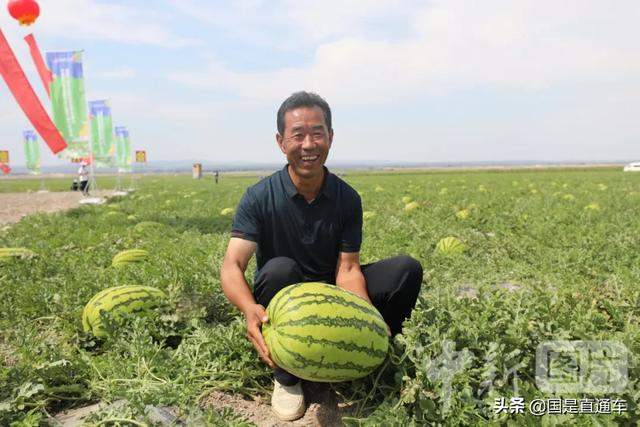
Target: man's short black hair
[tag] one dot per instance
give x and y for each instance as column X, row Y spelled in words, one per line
column 303, row 99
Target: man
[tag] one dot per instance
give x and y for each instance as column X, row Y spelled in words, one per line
column 83, row 174
column 305, row 224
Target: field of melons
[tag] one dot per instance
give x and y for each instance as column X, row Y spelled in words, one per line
column 542, row 255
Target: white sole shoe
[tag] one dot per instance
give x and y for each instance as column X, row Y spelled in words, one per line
column 287, row 402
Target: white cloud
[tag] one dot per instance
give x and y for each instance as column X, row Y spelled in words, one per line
column 454, row 44
column 123, row 72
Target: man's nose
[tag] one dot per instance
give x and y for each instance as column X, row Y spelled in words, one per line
column 307, row 142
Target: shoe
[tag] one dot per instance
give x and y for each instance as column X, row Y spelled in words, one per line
column 287, row 402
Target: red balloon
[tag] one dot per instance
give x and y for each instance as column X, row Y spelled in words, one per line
column 25, row 11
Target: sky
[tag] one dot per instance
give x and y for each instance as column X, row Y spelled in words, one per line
column 407, row 81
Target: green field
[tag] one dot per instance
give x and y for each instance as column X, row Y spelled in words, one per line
column 551, row 255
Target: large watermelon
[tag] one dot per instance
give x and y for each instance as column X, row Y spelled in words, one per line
column 119, row 300
column 322, row 333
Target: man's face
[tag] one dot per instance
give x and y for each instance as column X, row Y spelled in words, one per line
column 306, row 141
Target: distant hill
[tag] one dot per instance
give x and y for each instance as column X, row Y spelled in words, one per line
column 181, row 166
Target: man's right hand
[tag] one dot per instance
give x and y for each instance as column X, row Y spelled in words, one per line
column 255, row 316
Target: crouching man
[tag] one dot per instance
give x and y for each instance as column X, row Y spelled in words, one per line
column 305, row 225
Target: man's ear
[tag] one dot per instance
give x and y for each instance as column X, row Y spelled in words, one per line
column 330, row 137
column 280, row 141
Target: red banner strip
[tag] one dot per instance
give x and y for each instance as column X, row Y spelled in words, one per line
column 5, row 168
column 25, row 96
column 38, row 61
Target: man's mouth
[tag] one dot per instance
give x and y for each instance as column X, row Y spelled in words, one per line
column 309, row 159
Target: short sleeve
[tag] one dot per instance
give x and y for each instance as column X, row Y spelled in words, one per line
column 352, row 224
column 246, row 221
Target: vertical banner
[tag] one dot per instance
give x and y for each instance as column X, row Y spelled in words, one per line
column 102, row 141
column 31, row 151
column 123, row 143
column 68, row 102
column 4, row 162
column 23, row 92
column 36, row 56
column 141, row 156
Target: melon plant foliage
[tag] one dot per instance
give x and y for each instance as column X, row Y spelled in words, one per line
column 469, row 341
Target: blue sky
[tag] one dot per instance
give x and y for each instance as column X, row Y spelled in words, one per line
column 426, row 81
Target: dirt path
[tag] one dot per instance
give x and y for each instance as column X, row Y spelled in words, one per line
column 13, row 206
column 324, row 408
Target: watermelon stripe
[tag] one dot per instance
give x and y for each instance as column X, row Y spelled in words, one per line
column 334, row 299
column 348, row 322
column 132, row 295
column 350, row 366
column 281, row 298
column 114, row 294
column 342, row 345
column 131, row 301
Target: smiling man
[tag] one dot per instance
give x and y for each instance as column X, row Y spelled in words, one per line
column 305, row 225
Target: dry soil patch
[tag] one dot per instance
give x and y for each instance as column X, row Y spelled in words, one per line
column 14, row 206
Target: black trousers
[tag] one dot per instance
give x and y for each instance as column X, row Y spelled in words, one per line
column 83, row 186
column 393, row 285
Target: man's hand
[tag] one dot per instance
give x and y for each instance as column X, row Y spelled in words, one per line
column 256, row 315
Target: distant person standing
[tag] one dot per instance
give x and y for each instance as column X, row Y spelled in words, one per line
column 83, row 175
column 216, row 175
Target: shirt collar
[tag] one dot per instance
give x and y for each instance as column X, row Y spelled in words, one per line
column 328, row 186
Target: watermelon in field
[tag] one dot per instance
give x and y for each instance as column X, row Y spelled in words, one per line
column 119, row 300
column 129, row 256
column 7, row 254
column 450, row 246
column 322, row 333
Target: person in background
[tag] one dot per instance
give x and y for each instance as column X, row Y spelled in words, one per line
column 83, row 176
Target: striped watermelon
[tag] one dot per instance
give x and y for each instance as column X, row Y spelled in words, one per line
column 119, row 300
column 7, row 254
column 450, row 246
column 322, row 333
column 129, row 256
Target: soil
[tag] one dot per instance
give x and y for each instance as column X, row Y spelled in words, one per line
column 14, row 206
column 324, row 407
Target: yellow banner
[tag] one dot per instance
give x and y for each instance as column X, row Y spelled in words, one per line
column 4, row 156
column 141, row 156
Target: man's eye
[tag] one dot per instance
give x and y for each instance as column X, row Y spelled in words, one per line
column 318, row 135
column 298, row 136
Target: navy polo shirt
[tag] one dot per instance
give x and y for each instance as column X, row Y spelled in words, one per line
column 274, row 215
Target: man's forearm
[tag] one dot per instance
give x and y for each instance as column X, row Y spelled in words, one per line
column 353, row 281
column 236, row 288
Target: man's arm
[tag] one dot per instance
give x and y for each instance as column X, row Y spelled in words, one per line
column 236, row 288
column 349, row 276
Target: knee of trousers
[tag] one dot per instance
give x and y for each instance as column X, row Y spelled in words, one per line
column 278, row 270
column 413, row 269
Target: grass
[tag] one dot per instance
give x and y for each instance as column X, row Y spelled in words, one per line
column 550, row 255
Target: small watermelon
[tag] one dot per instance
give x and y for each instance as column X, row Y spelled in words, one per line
column 450, row 246
column 411, row 206
column 129, row 256
column 7, row 254
column 322, row 333
column 119, row 300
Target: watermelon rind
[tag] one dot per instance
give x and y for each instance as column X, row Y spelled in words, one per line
column 323, row 333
